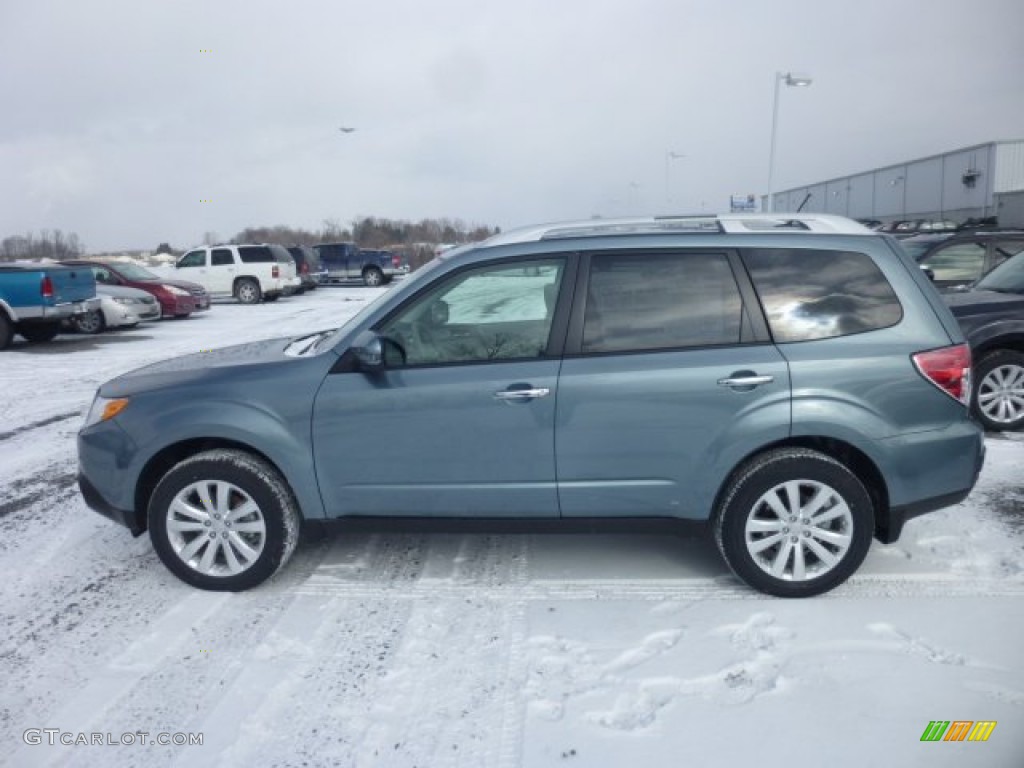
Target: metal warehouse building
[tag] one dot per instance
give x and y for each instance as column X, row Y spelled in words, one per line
column 983, row 180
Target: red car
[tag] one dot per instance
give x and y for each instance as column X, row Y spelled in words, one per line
column 178, row 298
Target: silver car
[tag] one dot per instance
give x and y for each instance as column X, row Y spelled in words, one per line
column 119, row 307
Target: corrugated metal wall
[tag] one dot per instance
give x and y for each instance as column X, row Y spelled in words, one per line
column 955, row 185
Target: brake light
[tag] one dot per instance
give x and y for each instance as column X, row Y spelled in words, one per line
column 396, row 260
column 47, row 287
column 275, row 271
column 305, row 268
column 949, row 369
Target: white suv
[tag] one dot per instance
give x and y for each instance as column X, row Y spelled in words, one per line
column 247, row 272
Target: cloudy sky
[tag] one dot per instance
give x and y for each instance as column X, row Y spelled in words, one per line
column 132, row 122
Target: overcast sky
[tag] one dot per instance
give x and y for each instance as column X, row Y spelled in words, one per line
column 117, row 124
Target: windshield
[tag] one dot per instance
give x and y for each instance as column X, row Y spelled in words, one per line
column 1008, row 277
column 133, row 271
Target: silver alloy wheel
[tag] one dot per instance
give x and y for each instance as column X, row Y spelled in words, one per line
column 90, row 322
column 799, row 530
column 1001, row 394
column 373, row 277
column 216, row 528
column 248, row 292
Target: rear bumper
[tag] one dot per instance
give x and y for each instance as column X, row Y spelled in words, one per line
column 58, row 311
column 891, row 525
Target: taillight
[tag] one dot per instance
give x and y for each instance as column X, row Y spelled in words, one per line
column 47, row 287
column 305, row 268
column 949, row 369
column 275, row 271
column 396, row 260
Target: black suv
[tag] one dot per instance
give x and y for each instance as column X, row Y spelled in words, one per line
column 991, row 314
column 961, row 258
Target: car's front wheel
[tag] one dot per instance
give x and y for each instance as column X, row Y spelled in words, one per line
column 998, row 396
column 223, row 520
column 794, row 523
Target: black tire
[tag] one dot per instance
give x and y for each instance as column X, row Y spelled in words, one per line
column 39, row 333
column 271, row 296
column 208, row 566
column 6, row 331
column 248, row 291
column 372, row 276
column 997, row 398
column 845, row 534
column 90, row 322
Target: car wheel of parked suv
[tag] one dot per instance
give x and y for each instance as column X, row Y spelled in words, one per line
column 373, row 277
column 90, row 322
column 794, row 523
column 248, row 291
column 999, row 393
column 223, row 520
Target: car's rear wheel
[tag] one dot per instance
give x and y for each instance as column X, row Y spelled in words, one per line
column 998, row 397
column 248, row 291
column 39, row 332
column 794, row 523
column 373, row 276
column 90, row 322
column 223, row 520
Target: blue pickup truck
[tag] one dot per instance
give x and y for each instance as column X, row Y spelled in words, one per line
column 346, row 261
column 34, row 298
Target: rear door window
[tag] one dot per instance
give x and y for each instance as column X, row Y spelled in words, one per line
column 221, row 257
column 650, row 301
column 812, row 294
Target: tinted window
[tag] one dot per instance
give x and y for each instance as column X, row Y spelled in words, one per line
column 297, row 255
column 809, row 294
column 221, row 256
column 281, row 254
column 660, row 301
column 254, row 254
column 497, row 312
column 193, row 259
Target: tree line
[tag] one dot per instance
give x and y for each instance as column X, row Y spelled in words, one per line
column 48, row 244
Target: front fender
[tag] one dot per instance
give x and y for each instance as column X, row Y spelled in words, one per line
column 284, row 441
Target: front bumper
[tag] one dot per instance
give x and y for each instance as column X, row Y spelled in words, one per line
column 130, row 519
column 178, row 306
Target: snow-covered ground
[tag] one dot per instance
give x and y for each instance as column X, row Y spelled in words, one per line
column 380, row 647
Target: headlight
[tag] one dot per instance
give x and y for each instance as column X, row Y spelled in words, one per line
column 104, row 408
column 125, row 300
column 175, row 290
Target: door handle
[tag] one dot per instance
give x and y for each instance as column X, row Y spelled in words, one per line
column 516, row 395
column 745, row 381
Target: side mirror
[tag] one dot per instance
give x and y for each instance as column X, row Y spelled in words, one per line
column 375, row 353
column 370, row 353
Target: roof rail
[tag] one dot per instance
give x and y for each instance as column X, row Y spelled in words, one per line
column 731, row 223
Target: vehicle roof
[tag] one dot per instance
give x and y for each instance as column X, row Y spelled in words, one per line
column 731, row 223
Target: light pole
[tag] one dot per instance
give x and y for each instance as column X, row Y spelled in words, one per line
column 669, row 157
column 791, row 79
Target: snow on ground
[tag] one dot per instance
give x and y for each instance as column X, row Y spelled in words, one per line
column 385, row 647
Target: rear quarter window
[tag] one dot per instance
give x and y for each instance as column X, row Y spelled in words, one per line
column 818, row 294
column 255, row 254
